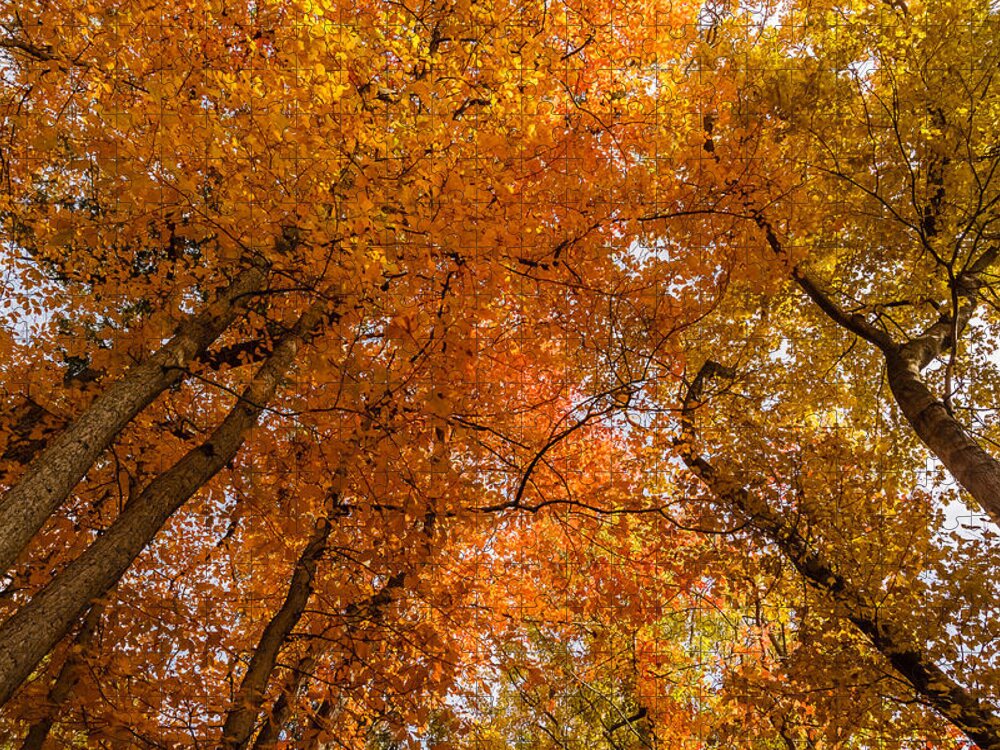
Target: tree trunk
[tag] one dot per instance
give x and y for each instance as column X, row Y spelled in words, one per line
column 68, row 676
column 269, row 734
column 972, row 467
column 27, row 636
column 242, row 717
column 952, row 700
column 975, row 469
column 52, row 475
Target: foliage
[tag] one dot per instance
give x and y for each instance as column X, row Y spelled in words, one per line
column 499, row 374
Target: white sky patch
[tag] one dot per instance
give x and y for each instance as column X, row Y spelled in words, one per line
column 23, row 311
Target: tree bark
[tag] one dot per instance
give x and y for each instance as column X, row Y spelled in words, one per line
column 52, row 475
column 30, row 633
column 354, row 614
column 242, row 717
column 280, row 712
column 241, row 720
column 238, row 727
column 952, row 700
column 66, row 680
column 974, row 468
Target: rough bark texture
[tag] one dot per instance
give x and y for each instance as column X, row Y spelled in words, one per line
column 972, row 467
column 65, row 681
column 956, row 703
column 242, row 717
column 975, row 469
column 51, row 476
column 27, row 636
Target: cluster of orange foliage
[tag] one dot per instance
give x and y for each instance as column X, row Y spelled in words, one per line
column 386, row 373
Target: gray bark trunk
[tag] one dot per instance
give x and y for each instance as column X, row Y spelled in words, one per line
column 29, row 634
column 952, row 700
column 52, row 475
column 354, row 614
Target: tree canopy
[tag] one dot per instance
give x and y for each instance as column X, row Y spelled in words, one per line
column 499, row 373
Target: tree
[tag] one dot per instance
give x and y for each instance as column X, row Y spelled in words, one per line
column 254, row 248
column 877, row 207
column 318, row 315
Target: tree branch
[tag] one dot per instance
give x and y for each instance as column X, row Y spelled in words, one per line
column 950, row 699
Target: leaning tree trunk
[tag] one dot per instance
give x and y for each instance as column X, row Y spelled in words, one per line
column 956, row 703
column 51, row 476
column 971, row 465
column 354, row 614
column 281, row 711
column 241, row 720
column 931, row 419
column 65, row 681
column 29, row 634
column 242, row 717
column 977, row 470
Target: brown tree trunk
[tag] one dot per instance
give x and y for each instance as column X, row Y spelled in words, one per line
column 947, row 438
column 51, row 476
column 952, row 700
column 281, row 711
column 975, row 469
column 354, row 614
column 972, row 467
column 27, row 636
column 66, row 680
column 909, row 658
column 242, row 717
